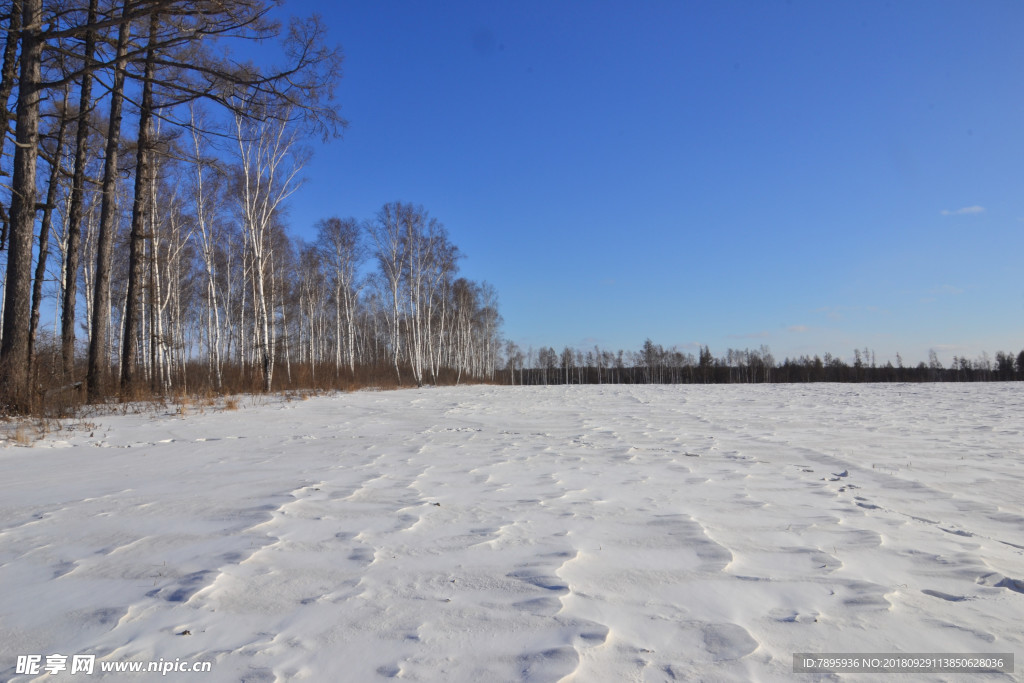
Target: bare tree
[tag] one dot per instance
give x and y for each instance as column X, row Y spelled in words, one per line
column 14, row 364
column 270, row 164
column 144, row 178
column 76, row 201
column 53, row 185
column 100, row 337
column 388, row 233
column 205, row 214
column 341, row 246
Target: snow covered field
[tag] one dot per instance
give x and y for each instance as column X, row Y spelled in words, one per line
column 510, row 533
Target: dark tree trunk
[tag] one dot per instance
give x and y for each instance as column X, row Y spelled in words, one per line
column 9, row 73
column 14, row 375
column 44, row 232
column 140, row 211
column 67, row 323
column 10, row 68
column 99, row 342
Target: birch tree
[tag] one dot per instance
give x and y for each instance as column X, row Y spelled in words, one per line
column 270, row 164
column 341, row 245
column 388, row 232
column 205, row 198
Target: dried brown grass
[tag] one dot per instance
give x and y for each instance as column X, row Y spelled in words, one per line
column 57, row 396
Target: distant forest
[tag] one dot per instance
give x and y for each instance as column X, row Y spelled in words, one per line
column 654, row 364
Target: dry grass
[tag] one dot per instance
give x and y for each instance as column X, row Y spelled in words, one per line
column 59, row 397
column 21, row 433
column 197, row 402
column 26, row 432
column 23, row 436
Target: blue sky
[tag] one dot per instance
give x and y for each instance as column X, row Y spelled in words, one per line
column 813, row 176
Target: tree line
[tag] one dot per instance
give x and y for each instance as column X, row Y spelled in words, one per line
column 654, row 364
column 146, row 175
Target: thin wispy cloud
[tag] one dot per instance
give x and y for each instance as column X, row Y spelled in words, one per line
column 964, row 211
column 797, row 328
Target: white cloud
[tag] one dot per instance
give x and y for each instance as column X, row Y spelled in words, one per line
column 967, row 210
column 797, row 328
